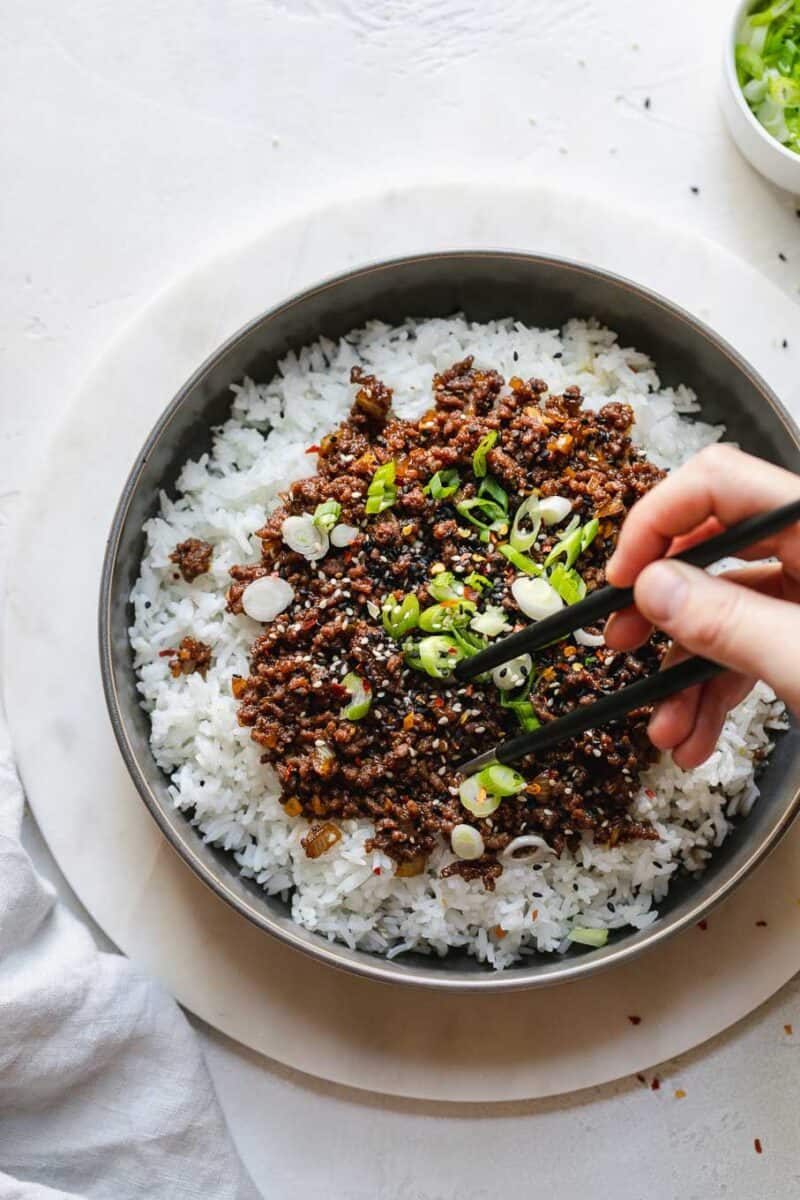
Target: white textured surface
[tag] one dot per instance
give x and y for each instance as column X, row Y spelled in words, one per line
column 143, row 138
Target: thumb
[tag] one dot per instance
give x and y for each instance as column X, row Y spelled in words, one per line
column 751, row 633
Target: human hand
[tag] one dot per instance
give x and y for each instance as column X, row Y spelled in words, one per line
column 746, row 619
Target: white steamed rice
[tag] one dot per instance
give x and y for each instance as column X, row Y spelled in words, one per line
column 213, row 764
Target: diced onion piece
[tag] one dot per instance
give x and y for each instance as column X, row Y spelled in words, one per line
column 360, row 697
column 304, row 537
column 588, row 937
column 343, row 535
column 320, row 838
column 501, row 780
column 588, row 639
column 264, row 598
column 512, row 674
column 553, row 509
column 536, row 598
column 323, row 760
column 476, row 799
column 526, row 841
column 466, row 842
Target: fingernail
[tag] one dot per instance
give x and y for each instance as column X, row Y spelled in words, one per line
column 661, row 591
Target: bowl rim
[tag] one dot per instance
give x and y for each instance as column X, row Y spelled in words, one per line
column 333, row 954
column 742, row 8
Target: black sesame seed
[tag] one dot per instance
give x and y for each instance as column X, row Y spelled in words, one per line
column 695, row 190
column 782, row 256
column 515, row 356
column 647, row 102
column 558, row 354
column 785, row 344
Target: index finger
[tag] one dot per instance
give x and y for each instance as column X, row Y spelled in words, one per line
column 720, row 482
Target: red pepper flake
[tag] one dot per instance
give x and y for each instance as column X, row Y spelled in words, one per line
column 535, row 914
column 656, row 1084
column 788, row 1030
column 635, row 1020
column 758, row 1147
column 313, row 449
column 650, row 794
column 376, row 870
column 166, row 653
column 761, row 924
column 702, row 925
column 680, row 1094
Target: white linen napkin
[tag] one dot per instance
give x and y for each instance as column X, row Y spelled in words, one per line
column 103, row 1089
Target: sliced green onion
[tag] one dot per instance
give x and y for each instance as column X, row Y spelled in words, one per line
column 476, row 799
column 589, row 533
column 468, row 643
column 485, row 514
column 491, row 622
column 438, row 656
column 768, row 68
column 588, row 937
column 536, row 598
column 527, row 523
column 490, row 488
column 400, row 615
column 360, row 697
column 445, row 586
column 327, row 514
column 500, row 780
column 524, row 712
column 568, row 583
column 441, row 618
column 466, row 842
column 477, row 582
column 443, row 484
column 479, row 467
column 520, row 561
column 382, row 493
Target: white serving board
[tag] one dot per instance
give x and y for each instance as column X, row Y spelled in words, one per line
column 329, row 1024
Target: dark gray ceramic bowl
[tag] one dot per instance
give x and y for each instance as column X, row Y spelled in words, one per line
column 539, row 291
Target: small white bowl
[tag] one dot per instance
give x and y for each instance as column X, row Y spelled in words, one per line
column 762, row 151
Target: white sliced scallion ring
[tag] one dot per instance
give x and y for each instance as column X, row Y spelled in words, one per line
column 304, row 537
column 512, row 674
column 466, row 842
column 343, row 535
column 266, row 597
column 553, row 509
column 526, row 841
column 535, row 597
column 588, row 639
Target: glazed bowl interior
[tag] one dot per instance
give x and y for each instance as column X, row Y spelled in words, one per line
column 483, row 285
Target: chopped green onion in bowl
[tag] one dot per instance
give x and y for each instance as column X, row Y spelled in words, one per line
column 767, row 57
column 360, row 697
column 588, row 937
column 500, row 780
column 382, row 493
column 445, row 586
column 527, row 523
column 479, row 464
column 400, row 616
column 442, row 618
column 443, row 484
column 476, row 799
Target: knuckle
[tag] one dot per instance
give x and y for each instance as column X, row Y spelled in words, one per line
column 716, row 619
column 718, row 459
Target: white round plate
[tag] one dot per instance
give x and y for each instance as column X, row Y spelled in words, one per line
column 332, row 1025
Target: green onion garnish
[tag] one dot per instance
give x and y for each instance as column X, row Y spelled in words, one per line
column 527, row 523
column 500, row 780
column 768, row 68
column 520, row 561
column 382, row 493
column 482, row 512
column 493, row 621
column 441, row 618
column 588, row 937
column 360, row 697
column 437, row 656
column 574, row 543
column 477, row 582
column 443, row 484
column 476, row 799
column 445, row 586
column 479, row 466
column 490, row 488
column 327, row 514
column 400, row 615
column 568, row 583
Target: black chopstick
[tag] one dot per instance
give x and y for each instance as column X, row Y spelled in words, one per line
column 600, row 604
column 609, row 708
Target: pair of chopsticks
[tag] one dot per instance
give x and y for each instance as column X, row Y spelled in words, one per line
column 595, row 608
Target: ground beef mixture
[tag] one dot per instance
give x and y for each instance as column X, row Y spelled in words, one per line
column 396, row 766
column 192, row 558
column 190, row 656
